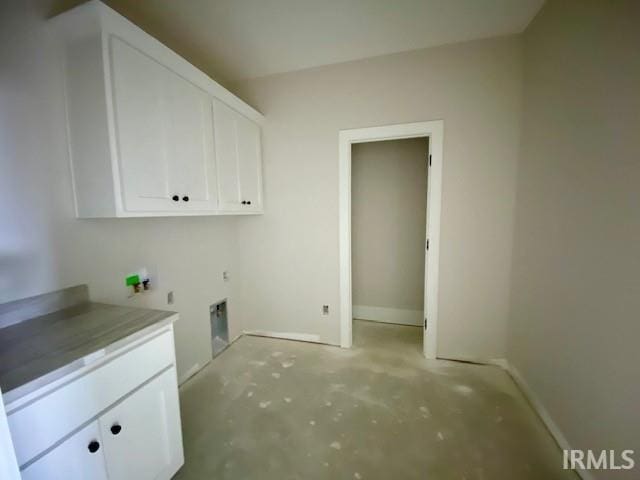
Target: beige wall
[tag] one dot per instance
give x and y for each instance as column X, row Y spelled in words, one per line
column 43, row 247
column 388, row 221
column 289, row 262
column 574, row 326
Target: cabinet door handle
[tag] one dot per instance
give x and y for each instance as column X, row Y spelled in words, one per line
column 175, row 198
column 116, row 428
column 185, row 198
column 94, row 446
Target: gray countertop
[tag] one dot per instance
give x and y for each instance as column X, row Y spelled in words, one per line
column 52, row 345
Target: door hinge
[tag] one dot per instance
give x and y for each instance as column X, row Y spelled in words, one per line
column 425, row 323
column 427, row 244
column 429, row 159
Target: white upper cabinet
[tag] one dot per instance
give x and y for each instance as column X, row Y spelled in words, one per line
column 239, row 163
column 226, row 156
column 150, row 134
column 141, row 122
column 190, row 145
column 249, row 163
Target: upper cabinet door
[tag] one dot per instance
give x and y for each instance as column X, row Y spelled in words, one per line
column 190, row 145
column 238, row 159
column 224, row 125
column 249, row 163
column 141, row 123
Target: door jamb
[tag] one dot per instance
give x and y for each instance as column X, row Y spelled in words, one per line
column 434, row 130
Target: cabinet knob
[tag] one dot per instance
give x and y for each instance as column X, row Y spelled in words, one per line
column 185, row 198
column 248, row 202
column 175, row 198
column 94, row 446
column 243, row 202
column 116, row 429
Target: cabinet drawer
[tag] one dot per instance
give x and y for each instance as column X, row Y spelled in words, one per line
column 40, row 424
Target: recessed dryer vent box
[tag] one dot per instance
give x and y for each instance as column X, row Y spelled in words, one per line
column 219, row 327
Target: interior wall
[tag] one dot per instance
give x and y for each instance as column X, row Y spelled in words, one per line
column 43, row 247
column 289, row 262
column 574, row 326
column 388, row 229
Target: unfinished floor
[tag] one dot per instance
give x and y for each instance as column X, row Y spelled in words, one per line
column 278, row 409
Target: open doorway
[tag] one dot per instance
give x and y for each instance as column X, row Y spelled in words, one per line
column 433, row 130
column 388, row 231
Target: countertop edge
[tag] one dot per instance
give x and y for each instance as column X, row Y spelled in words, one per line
column 87, row 360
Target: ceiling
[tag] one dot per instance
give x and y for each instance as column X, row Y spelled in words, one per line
column 237, row 39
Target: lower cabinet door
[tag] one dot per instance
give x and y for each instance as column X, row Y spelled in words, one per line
column 80, row 457
column 142, row 436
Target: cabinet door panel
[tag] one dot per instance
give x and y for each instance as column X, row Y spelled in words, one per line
column 190, row 145
column 224, row 125
column 71, row 460
column 140, row 120
column 142, row 436
column 249, row 162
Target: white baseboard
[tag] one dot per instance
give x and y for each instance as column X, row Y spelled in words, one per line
column 388, row 315
column 189, row 373
column 544, row 415
column 300, row 337
column 195, row 368
column 498, row 362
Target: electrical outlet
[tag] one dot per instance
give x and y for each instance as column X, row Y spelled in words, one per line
column 170, row 298
column 325, row 310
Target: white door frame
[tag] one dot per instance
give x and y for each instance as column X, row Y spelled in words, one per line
column 433, row 130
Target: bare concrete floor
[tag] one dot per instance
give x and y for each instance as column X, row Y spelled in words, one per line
column 277, row 409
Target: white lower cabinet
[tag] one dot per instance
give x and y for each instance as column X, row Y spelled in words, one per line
column 80, row 457
column 117, row 420
column 141, row 435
